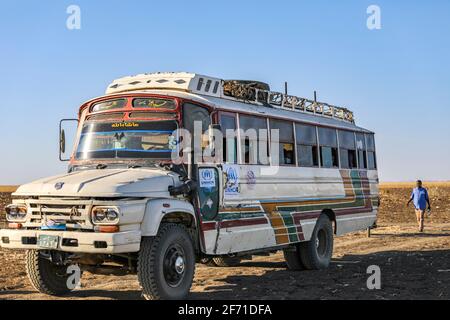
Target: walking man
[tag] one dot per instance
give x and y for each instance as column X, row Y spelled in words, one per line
column 420, row 197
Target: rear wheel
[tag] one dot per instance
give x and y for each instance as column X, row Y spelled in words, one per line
column 45, row 276
column 226, row 261
column 316, row 253
column 166, row 263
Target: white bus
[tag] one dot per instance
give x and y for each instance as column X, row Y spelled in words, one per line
column 126, row 206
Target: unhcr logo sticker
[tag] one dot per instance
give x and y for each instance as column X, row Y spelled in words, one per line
column 232, row 180
column 207, row 178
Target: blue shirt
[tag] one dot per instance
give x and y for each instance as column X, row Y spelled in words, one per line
column 420, row 197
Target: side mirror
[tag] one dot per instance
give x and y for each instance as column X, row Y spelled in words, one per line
column 62, row 138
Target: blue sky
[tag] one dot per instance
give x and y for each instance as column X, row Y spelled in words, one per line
column 396, row 80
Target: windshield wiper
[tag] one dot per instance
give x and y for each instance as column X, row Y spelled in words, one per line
column 101, row 166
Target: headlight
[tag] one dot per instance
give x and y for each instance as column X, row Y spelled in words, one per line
column 16, row 212
column 105, row 215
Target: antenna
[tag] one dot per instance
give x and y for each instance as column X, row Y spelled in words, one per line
column 285, row 88
column 315, row 96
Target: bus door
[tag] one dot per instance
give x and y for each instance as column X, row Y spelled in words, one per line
column 209, row 190
column 209, row 199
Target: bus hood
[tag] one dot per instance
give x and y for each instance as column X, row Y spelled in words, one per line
column 103, row 183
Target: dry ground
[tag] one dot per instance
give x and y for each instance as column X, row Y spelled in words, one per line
column 412, row 265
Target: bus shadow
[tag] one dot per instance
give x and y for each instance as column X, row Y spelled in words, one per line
column 404, row 275
column 261, row 264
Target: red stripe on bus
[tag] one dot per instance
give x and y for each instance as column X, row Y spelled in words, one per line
column 206, row 226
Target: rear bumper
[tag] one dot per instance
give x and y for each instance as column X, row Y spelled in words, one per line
column 69, row 241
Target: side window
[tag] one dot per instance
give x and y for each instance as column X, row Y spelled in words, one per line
column 195, row 114
column 347, row 149
column 253, row 142
column 361, row 147
column 307, row 151
column 371, row 156
column 228, row 122
column 286, row 141
column 328, row 148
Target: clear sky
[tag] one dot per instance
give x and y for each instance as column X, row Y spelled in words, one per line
column 396, row 79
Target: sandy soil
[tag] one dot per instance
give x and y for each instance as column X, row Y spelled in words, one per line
column 412, row 265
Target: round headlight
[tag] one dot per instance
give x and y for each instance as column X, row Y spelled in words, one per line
column 99, row 214
column 16, row 212
column 112, row 215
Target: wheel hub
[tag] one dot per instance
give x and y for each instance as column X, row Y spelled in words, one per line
column 321, row 243
column 179, row 265
column 174, row 265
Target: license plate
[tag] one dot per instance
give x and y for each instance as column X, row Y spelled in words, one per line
column 49, row 242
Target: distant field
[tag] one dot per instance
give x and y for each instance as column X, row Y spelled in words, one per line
column 387, row 185
column 8, row 189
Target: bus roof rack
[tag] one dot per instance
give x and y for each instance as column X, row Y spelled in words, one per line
column 253, row 92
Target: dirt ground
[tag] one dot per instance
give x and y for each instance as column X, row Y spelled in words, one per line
column 413, row 265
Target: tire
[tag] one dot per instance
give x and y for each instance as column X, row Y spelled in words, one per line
column 293, row 259
column 316, row 254
column 226, row 261
column 45, row 276
column 166, row 264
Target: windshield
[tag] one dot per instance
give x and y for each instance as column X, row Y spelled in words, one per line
column 137, row 139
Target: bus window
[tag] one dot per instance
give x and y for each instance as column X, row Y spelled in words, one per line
column 306, row 145
column 109, row 105
column 106, row 116
column 347, row 149
column 195, row 114
column 371, row 158
column 361, row 147
column 328, row 148
column 286, row 141
column 154, row 103
column 251, row 134
column 228, row 122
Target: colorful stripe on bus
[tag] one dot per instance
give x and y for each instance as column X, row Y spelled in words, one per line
column 286, row 217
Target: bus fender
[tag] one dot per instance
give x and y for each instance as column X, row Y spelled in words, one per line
column 166, row 209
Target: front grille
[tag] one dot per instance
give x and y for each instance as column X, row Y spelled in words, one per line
column 73, row 213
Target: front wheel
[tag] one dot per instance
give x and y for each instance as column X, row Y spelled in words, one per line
column 316, row 253
column 166, row 264
column 46, row 276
